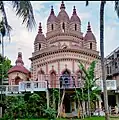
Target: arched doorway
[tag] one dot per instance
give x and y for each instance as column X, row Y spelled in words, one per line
column 65, row 79
column 17, row 80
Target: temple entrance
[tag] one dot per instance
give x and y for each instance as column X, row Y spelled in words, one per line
column 66, row 103
column 112, row 100
column 17, row 80
column 65, row 79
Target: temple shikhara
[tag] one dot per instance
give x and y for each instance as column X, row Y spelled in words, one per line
column 54, row 62
column 57, row 54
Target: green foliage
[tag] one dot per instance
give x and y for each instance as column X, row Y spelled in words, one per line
column 5, row 65
column 50, row 113
column 36, row 105
column 56, row 93
column 17, row 107
column 89, row 77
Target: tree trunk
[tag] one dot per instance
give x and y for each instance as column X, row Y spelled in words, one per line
column 61, row 104
column 102, row 58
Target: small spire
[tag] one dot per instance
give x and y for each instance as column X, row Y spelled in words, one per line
column 19, row 60
column 74, row 11
column 40, row 28
column 52, row 11
column 19, row 54
column 89, row 27
column 62, row 5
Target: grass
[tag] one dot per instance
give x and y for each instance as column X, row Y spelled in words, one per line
column 92, row 118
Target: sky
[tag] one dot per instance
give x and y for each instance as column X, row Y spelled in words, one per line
column 23, row 40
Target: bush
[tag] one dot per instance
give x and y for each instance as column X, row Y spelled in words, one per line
column 50, row 113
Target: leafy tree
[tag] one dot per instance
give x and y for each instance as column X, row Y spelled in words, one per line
column 5, row 65
column 36, row 105
column 15, row 107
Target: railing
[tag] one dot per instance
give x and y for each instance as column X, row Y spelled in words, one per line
column 5, row 89
column 24, row 86
column 72, row 82
column 111, row 84
column 32, row 86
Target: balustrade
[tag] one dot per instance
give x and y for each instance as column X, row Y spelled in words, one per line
column 111, row 84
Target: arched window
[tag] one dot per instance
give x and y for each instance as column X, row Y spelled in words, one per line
column 41, row 75
column 107, row 70
column 75, row 27
column 91, row 46
column 63, row 27
column 39, row 46
column 52, row 26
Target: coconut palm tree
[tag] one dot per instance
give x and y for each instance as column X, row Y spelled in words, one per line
column 23, row 9
column 102, row 5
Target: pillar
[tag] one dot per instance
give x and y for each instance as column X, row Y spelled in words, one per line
column 117, row 99
column 47, row 96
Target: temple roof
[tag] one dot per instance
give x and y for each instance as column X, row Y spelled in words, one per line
column 52, row 16
column 62, row 14
column 40, row 36
column 74, row 17
column 89, row 35
column 19, row 67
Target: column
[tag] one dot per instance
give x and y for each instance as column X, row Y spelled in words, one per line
column 47, row 96
column 117, row 99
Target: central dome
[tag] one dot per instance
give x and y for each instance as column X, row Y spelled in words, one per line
column 62, row 14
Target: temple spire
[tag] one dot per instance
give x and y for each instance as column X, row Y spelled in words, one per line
column 40, row 28
column 19, row 60
column 74, row 11
column 89, row 27
column 62, row 5
column 52, row 11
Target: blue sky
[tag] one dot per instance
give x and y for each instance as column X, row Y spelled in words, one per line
column 21, row 38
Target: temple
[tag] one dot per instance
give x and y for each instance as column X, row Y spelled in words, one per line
column 54, row 62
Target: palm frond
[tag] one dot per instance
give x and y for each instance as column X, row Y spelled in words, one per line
column 81, row 66
column 5, row 22
column 87, row 3
column 24, row 9
column 91, row 69
column 117, row 7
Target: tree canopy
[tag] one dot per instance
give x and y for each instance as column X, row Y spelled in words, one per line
column 5, row 65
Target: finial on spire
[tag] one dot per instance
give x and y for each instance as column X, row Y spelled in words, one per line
column 40, row 28
column 89, row 27
column 52, row 11
column 19, row 54
column 19, row 60
column 74, row 11
column 62, row 5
